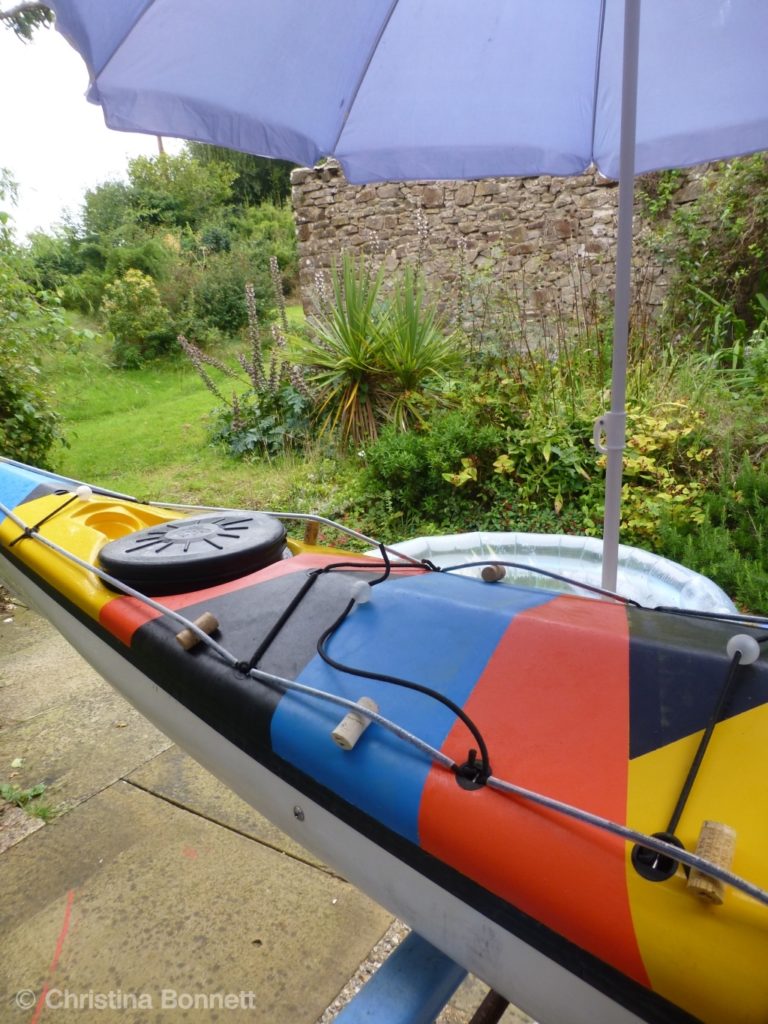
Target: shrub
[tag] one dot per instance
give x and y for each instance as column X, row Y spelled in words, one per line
column 730, row 543
column 274, row 227
column 406, row 474
column 29, row 322
column 137, row 320
column 218, row 299
column 718, row 248
column 148, row 255
column 205, row 291
column 666, row 469
column 28, row 425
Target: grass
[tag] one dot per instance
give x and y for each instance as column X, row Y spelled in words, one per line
column 27, row 800
column 144, row 432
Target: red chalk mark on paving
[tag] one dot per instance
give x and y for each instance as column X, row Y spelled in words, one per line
column 190, row 853
column 57, row 953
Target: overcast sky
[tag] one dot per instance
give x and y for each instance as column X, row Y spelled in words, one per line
column 54, row 142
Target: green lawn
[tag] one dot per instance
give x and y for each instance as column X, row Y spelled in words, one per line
column 144, row 432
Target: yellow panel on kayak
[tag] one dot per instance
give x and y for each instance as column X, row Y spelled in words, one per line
column 679, row 934
column 82, row 528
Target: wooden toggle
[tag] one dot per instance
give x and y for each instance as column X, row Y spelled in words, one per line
column 189, row 639
column 493, row 573
column 352, row 726
column 717, row 843
column 311, row 531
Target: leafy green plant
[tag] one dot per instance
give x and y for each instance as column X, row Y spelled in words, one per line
column 375, row 358
column 137, row 320
column 27, row 799
column 656, row 192
column 414, row 351
column 272, row 415
column 30, row 322
column 717, row 249
column 265, row 423
column 548, row 462
column 406, row 483
column 666, row 468
column 178, row 190
column 730, row 542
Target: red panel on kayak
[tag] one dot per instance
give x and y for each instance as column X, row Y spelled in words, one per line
column 123, row 616
column 553, row 706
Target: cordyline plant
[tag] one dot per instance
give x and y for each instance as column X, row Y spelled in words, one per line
column 373, row 358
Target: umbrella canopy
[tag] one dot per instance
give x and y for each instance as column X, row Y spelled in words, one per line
column 420, row 89
column 430, row 88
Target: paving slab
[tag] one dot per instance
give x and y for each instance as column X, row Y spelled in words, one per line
column 15, row 824
column 79, row 747
column 38, row 668
column 165, row 910
column 175, row 776
column 60, row 723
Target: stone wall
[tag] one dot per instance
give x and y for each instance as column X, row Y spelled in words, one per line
column 551, row 239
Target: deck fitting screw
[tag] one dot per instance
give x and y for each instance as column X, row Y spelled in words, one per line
column 298, row 814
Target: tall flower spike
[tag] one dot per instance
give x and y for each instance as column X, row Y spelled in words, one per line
column 197, row 358
column 277, row 287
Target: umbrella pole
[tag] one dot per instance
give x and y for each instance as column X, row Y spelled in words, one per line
column 612, row 425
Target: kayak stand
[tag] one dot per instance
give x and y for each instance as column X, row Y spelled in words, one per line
column 411, row 987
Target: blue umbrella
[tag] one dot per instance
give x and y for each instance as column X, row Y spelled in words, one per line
column 420, row 89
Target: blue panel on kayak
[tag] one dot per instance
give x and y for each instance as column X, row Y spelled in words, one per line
column 16, row 483
column 436, row 629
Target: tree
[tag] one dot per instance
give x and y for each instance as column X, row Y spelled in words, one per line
column 178, row 191
column 29, row 322
column 24, row 18
column 106, row 209
column 258, row 179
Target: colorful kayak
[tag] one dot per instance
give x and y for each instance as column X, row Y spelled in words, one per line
column 527, row 781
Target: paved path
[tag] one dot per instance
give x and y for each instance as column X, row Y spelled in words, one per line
column 155, row 895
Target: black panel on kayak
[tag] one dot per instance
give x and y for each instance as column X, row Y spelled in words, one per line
column 196, row 552
column 677, row 668
column 237, row 706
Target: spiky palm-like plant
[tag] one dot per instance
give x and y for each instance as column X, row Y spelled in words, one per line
column 342, row 352
column 414, row 351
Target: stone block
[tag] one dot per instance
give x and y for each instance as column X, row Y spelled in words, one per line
column 563, row 228
column 388, row 191
column 432, row 196
column 465, row 194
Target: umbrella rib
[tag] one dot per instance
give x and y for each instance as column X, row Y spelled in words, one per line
column 120, row 42
column 598, row 65
column 363, row 72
